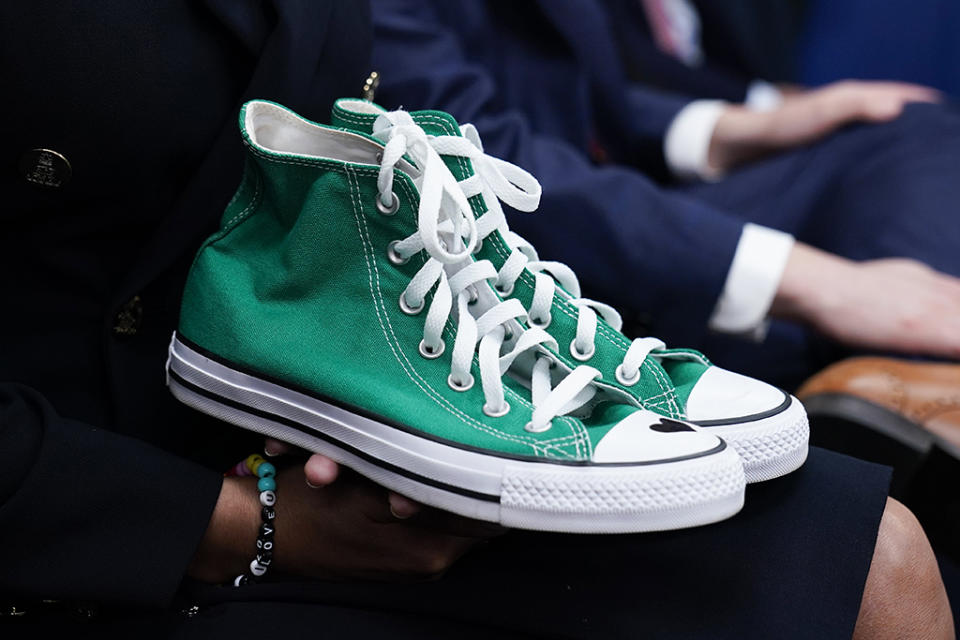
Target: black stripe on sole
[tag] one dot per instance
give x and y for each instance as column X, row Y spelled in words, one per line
column 769, row 413
column 266, row 415
column 364, row 413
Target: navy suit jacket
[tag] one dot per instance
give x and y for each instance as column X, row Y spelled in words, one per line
column 646, row 63
column 107, row 482
column 542, row 81
column 742, row 40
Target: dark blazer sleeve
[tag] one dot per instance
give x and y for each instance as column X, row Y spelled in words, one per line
column 652, row 68
column 632, row 243
column 90, row 515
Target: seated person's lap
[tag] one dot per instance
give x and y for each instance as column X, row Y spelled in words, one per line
column 803, row 543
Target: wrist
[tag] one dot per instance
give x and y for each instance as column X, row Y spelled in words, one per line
column 737, row 138
column 809, row 287
column 225, row 549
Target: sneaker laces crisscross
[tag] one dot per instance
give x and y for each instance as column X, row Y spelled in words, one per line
column 500, row 181
column 448, row 231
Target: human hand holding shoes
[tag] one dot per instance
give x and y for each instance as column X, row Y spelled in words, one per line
column 333, row 524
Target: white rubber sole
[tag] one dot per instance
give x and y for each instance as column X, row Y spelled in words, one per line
column 770, row 447
column 545, row 496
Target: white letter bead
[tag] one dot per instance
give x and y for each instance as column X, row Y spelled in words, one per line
column 268, row 498
column 257, row 569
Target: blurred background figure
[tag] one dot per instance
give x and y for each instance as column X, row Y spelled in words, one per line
column 715, row 201
column 720, row 50
column 705, row 220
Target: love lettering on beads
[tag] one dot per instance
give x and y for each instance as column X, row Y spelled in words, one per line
column 255, row 465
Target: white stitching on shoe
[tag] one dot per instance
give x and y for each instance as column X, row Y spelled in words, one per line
column 393, row 341
column 578, row 430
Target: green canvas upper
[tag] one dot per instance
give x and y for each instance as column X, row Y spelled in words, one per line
column 666, row 379
column 297, row 286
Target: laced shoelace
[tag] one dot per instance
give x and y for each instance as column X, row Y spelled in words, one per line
column 500, row 181
column 448, row 232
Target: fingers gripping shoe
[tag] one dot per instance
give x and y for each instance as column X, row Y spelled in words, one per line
column 339, row 308
column 766, row 426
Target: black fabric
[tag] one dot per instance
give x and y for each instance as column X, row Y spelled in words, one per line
column 142, row 99
column 90, row 511
column 792, row 564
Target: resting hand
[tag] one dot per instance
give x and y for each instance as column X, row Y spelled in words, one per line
column 742, row 135
column 893, row 304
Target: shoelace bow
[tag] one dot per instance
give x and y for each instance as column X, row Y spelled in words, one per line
column 448, row 232
column 498, row 180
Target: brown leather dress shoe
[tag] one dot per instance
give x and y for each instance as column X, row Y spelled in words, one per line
column 903, row 414
column 926, row 394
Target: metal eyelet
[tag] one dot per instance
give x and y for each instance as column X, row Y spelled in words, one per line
column 540, row 323
column 456, row 385
column 496, row 413
column 429, row 352
column 379, row 157
column 474, row 295
column 582, row 356
column 394, row 256
column 409, row 310
column 507, row 334
column 388, row 210
column 529, row 427
column 623, row 379
column 503, row 291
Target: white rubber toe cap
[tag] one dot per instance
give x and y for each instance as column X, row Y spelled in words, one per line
column 645, row 437
column 723, row 395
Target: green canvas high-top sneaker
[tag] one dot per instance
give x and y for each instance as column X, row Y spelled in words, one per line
column 339, row 308
column 767, row 426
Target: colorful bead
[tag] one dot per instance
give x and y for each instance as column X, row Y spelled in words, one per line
column 266, row 484
column 253, row 461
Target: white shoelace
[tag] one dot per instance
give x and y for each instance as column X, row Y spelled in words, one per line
column 498, row 180
column 445, row 220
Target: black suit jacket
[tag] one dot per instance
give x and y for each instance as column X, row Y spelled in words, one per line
column 107, row 483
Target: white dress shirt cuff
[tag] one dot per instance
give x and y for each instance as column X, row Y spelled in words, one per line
column 763, row 96
column 687, row 142
column 752, row 282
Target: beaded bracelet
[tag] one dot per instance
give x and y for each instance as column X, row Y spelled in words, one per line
column 255, row 465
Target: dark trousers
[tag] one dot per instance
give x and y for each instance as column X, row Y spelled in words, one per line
column 792, row 564
column 869, row 191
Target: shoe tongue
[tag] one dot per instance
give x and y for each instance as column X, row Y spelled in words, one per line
column 358, row 116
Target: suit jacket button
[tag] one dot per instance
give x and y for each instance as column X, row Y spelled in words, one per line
column 45, row 168
column 129, row 317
